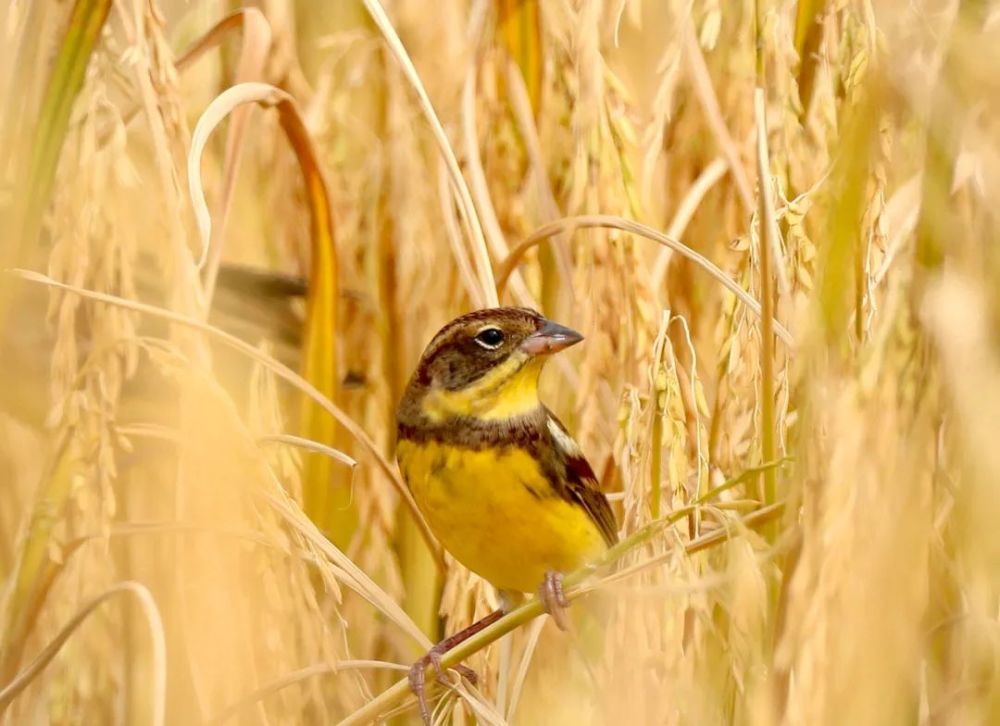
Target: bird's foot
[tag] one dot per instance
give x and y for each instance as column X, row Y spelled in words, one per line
column 418, row 671
column 418, row 676
column 553, row 599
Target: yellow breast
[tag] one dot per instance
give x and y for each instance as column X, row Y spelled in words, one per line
column 496, row 513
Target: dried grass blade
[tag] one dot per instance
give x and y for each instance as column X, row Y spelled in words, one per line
column 519, row 96
column 37, row 172
column 479, row 251
column 590, row 221
column 477, row 181
column 348, row 572
column 290, row 679
column 253, row 52
column 534, row 633
column 713, row 112
column 685, row 211
column 454, row 236
column 482, row 709
column 221, row 106
column 34, row 572
column 337, row 517
column 157, row 639
column 309, row 445
column 215, row 35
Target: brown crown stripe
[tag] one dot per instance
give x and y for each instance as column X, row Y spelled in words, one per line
column 445, row 337
column 498, row 315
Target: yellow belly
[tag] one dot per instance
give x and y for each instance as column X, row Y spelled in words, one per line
column 496, row 513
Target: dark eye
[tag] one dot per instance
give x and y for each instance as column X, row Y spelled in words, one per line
column 490, row 338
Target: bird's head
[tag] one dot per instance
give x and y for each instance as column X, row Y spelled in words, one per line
column 486, row 364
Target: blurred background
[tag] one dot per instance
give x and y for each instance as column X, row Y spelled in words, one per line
column 230, row 229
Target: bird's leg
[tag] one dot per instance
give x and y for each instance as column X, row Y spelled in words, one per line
column 553, row 599
column 418, row 671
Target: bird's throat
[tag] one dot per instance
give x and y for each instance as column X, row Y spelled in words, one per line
column 509, row 390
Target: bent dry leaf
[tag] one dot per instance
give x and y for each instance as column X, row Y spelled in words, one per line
column 330, row 507
column 253, row 53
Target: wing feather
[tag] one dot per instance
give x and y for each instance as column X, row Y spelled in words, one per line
column 577, row 482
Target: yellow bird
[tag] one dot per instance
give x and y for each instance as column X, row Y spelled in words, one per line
column 499, row 480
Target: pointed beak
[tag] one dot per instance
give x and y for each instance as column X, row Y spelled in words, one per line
column 550, row 338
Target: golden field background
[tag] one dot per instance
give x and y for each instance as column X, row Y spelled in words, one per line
column 775, row 223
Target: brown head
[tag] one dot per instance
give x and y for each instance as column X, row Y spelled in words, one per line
column 485, row 364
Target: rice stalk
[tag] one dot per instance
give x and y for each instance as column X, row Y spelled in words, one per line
column 770, row 245
column 685, row 210
column 32, row 577
column 808, row 36
column 310, row 445
column 554, row 260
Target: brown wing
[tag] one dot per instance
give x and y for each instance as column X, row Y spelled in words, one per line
column 573, row 478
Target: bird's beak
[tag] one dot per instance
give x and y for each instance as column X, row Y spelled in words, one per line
column 550, row 338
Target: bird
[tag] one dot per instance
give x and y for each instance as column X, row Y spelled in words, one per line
column 496, row 475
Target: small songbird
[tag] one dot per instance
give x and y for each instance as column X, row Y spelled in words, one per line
column 499, row 480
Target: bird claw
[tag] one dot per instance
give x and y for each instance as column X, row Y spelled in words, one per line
column 466, row 673
column 435, row 656
column 553, row 598
column 417, row 677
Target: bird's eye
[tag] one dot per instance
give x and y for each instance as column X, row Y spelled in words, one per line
column 490, row 338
